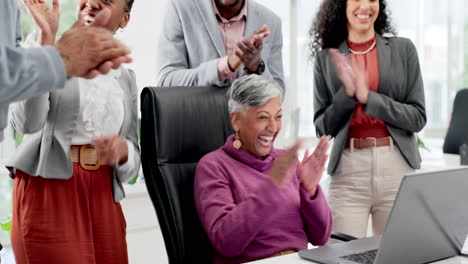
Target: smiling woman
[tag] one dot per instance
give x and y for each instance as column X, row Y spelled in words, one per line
column 369, row 95
column 68, row 14
column 256, row 116
column 238, row 186
column 76, row 194
column 120, row 12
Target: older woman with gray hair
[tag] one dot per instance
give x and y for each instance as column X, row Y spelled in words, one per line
column 253, row 200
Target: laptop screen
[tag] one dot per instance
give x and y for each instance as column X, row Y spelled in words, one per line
column 429, row 219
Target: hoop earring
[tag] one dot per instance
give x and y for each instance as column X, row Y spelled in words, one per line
column 237, row 144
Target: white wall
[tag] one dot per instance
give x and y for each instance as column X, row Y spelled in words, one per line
column 141, row 36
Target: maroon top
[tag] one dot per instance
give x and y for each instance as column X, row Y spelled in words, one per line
column 362, row 125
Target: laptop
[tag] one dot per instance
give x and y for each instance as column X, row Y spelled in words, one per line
column 428, row 222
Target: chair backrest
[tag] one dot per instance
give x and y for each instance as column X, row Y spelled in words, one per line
column 179, row 126
column 457, row 133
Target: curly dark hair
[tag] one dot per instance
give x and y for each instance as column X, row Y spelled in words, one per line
column 329, row 28
column 129, row 5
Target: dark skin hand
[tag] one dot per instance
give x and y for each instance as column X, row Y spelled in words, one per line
column 87, row 51
column 249, row 50
column 111, row 150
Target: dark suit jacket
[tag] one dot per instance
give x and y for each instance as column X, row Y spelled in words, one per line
column 399, row 101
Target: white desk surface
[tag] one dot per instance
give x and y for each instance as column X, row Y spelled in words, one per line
column 439, row 161
column 431, row 161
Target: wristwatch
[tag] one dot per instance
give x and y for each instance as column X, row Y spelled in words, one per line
column 259, row 71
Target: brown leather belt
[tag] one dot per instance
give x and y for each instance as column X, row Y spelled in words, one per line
column 86, row 156
column 361, row 143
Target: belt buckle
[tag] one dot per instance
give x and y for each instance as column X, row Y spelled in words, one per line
column 374, row 140
column 87, row 165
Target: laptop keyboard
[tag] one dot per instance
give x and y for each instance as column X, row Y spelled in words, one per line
column 366, row 257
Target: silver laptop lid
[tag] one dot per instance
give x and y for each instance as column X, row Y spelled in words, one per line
column 429, row 220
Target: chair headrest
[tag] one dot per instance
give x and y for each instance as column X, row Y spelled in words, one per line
column 460, row 101
column 457, row 132
column 189, row 122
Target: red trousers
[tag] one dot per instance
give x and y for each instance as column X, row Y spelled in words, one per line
column 73, row 221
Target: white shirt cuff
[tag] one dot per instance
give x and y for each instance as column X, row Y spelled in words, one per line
column 126, row 171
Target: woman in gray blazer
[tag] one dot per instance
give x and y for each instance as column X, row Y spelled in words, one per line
column 369, row 95
column 80, row 144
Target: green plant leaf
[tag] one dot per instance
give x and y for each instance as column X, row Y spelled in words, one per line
column 133, row 181
column 6, row 226
column 422, row 145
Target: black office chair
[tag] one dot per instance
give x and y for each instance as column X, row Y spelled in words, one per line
column 457, row 133
column 179, row 126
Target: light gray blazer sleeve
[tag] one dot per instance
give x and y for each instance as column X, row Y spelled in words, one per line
column 19, row 31
column 126, row 173
column 408, row 114
column 29, row 116
column 274, row 64
column 28, row 72
column 173, row 57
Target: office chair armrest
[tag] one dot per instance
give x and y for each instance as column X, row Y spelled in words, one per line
column 342, row 237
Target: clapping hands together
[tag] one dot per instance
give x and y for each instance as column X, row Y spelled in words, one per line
column 310, row 169
column 352, row 74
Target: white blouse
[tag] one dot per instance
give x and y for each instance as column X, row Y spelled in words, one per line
column 101, row 108
column 101, row 112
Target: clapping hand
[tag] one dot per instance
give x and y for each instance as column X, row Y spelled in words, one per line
column 45, row 18
column 111, row 150
column 88, row 51
column 312, row 166
column 353, row 75
column 249, row 49
column 284, row 165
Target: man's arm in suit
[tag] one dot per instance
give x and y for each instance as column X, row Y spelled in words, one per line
column 274, row 64
column 172, row 53
column 28, row 72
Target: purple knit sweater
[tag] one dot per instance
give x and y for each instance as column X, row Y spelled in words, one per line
column 246, row 216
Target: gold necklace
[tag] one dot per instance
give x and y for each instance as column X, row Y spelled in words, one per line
column 363, row 52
